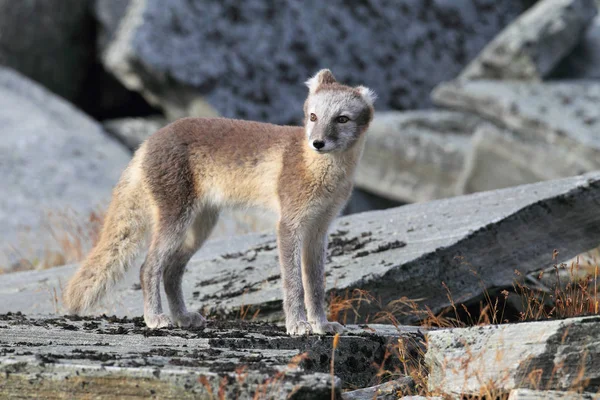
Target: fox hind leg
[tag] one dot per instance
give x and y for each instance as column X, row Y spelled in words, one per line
column 175, row 268
column 167, row 239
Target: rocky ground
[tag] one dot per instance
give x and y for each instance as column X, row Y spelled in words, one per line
column 487, row 121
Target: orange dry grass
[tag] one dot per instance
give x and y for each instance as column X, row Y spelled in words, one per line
column 68, row 235
column 573, row 292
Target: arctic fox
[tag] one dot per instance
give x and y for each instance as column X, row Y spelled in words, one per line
column 181, row 177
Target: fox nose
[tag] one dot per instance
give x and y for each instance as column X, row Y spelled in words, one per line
column 319, row 144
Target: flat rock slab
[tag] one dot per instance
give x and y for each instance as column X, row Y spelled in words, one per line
column 406, row 251
column 120, row 357
column 528, row 394
column 385, row 391
column 416, row 156
column 534, row 43
column 559, row 355
column 249, row 60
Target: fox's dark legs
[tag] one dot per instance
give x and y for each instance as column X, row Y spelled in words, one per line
column 174, row 270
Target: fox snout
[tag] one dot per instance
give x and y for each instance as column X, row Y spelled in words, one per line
column 317, row 139
column 318, row 144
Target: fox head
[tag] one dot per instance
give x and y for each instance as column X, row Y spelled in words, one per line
column 335, row 115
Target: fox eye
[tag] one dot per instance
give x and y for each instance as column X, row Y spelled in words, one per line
column 313, row 117
column 342, row 119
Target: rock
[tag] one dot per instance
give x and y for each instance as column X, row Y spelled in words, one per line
column 420, row 398
column 361, row 201
column 528, row 394
column 51, row 43
column 584, row 60
column 562, row 115
column 416, row 156
column 74, row 356
column 406, row 251
column 52, row 158
column 560, row 355
column 249, row 60
column 108, row 14
column 499, row 158
column 534, row 43
column 385, row 391
column 241, row 222
column 133, row 131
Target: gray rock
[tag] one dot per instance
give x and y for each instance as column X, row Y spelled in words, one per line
column 249, row 59
column 385, row 391
column 531, row 46
column 420, row 398
column 562, row 114
column 50, row 42
column 529, row 394
column 79, row 357
column 108, row 14
column 562, row 354
column 240, row 222
column 362, row 200
column 52, row 158
column 406, row 251
column 133, row 131
column 584, row 60
column 499, row 158
column 417, row 155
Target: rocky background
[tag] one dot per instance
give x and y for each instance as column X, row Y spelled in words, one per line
column 472, row 95
column 484, row 107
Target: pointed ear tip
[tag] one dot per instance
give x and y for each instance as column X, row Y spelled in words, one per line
column 368, row 94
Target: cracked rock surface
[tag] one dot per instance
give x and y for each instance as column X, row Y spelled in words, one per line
column 121, row 357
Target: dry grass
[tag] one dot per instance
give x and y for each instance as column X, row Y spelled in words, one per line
column 67, row 237
column 566, row 290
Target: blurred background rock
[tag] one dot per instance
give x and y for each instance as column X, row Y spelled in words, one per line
column 472, row 95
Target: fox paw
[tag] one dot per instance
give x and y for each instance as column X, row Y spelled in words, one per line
column 299, row 328
column 156, row 321
column 321, row 328
column 189, row 320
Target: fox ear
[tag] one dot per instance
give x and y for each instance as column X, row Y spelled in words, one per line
column 324, row 76
column 367, row 94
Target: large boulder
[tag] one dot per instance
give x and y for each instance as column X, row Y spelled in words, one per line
column 499, row 158
column 562, row 114
column 416, row 155
column 531, row 47
column 52, row 158
column 560, row 355
column 50, row 42
column 249, row 59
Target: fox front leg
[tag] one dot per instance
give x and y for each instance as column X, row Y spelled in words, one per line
column 313, row 275
column 288, row 241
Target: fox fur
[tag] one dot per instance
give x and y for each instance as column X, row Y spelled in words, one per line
column 186, row 172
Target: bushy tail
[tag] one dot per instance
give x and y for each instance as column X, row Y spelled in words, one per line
column 122, row 234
